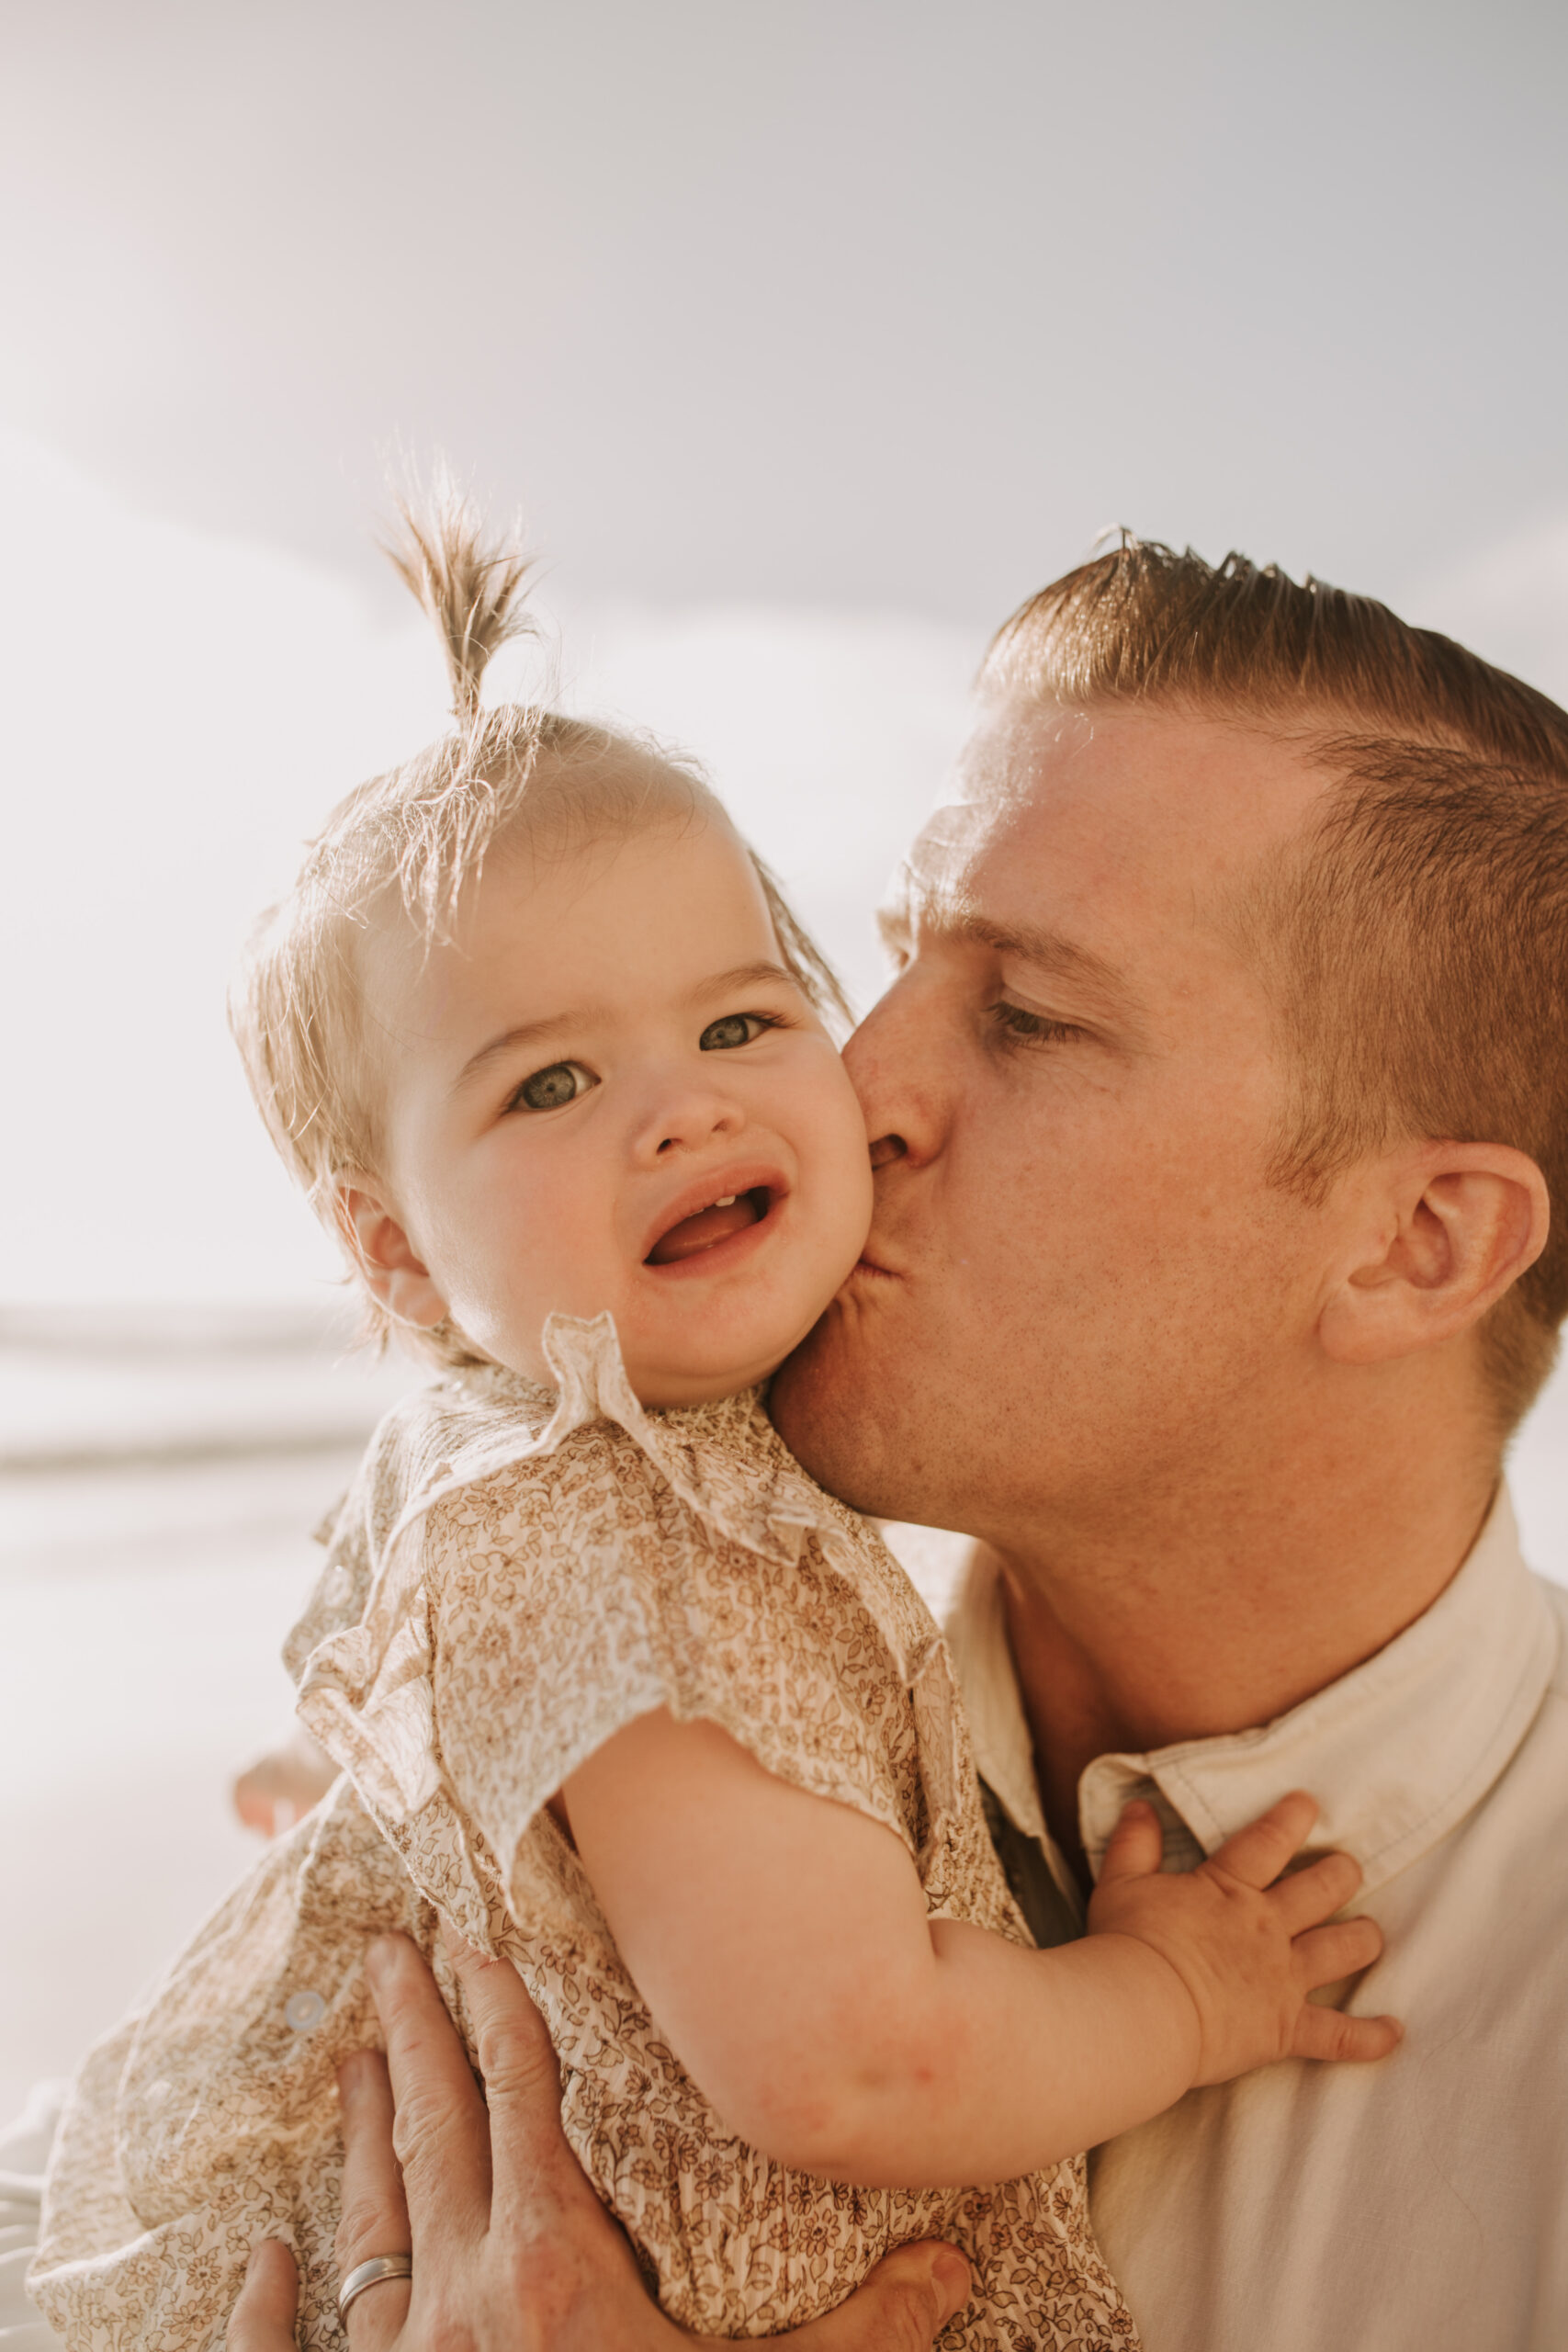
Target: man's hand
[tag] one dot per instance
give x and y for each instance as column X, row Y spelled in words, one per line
column 512, row 2251
column 1247, row 1944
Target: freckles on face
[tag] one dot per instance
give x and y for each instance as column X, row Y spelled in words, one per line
column 613, row 1096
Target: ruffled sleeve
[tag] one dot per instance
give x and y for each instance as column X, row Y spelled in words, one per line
column 563, row 1577
column 408, row 1453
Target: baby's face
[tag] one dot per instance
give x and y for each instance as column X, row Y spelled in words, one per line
column 610, row 1093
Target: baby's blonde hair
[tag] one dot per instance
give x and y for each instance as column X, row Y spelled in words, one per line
column 412, row 841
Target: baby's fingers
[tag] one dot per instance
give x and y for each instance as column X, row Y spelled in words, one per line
column 1330, row 2033
column 1327, row 1956
column 1257, row 1854
column 1137, row 1844
column 1307, row 1897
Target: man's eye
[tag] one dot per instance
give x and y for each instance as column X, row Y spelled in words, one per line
column 549, row 1089
column 1014, row 1022
column 734, row 1029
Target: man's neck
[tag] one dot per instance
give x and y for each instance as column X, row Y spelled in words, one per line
column 1223, row 1613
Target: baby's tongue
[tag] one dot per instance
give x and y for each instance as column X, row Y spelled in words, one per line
column 702, row 1231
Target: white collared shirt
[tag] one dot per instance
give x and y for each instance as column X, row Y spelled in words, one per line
column 1418, row 2204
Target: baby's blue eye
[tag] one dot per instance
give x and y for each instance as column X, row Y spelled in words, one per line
column 734, row 1029
column 549, row 1089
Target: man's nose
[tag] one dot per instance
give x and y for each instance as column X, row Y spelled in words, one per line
column 894, row 1061
column 685, row 1117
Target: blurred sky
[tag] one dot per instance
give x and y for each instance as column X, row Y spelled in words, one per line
column 810, row 339
column 875, row 304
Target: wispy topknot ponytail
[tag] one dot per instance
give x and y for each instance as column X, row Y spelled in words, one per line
column 469, row 579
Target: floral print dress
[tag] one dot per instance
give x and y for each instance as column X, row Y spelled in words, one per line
column 515, row 1574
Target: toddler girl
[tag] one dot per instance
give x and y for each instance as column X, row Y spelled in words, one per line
column 616, row 1690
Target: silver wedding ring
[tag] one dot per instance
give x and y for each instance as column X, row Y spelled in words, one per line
column 370, row 2274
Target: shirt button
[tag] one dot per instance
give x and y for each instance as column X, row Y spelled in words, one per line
column 304, row 2011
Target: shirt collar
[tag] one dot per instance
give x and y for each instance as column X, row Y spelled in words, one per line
column 1396, row 1752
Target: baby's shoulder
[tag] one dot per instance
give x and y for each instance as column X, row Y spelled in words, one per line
column 465, row 1429
column 480, row 1426
column 699, row 1508
column 519, row 1510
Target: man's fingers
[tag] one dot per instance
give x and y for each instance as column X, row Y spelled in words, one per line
column 375, row 2215
column 516, row 2058
column 901, row 2306
column 377, row 2317
column 1137, row 1844
column 263, row 2320
column 441, row 2134
column 534, row 2168
column 1330, row 2033
column 1257, row 1854
column 1311, row 1895
column 1327, row 1955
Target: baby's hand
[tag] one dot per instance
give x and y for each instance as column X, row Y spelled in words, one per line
column 280, row 1787
column 1247, row 1944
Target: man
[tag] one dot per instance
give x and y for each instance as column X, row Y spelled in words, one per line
column 1219, row 1102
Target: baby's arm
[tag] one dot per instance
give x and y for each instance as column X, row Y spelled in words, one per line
column 781, row 1943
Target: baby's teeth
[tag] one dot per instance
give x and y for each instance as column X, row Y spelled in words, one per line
column 727, row 1202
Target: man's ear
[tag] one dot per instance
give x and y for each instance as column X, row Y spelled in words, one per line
column 1438, row 1232
column 394, row 1274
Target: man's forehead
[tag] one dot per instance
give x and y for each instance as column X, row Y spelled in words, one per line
column 1016, row 743
column 1121, row 798
column 963, row 872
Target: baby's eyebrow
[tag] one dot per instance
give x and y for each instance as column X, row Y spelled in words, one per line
column 529, row 1033
column 741, row 975
column 534, row 1032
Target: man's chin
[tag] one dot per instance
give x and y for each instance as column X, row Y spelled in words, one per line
column 823, row 1402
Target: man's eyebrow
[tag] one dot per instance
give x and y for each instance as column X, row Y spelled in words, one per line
column 1050, row 949
column 1051, row 952
column 529, row 1033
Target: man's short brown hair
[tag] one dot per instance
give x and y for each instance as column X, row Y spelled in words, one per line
column 1418, row 951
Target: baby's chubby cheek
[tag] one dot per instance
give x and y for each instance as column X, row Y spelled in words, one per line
column 577, row 1275
column 506, row 1256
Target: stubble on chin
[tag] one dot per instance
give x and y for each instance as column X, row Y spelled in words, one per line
column 799, row 1390
column 824, row 1403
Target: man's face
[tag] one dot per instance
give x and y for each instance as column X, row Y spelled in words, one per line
column 1079, row 1284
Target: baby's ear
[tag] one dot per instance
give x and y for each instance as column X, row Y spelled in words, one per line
column 392, row 1270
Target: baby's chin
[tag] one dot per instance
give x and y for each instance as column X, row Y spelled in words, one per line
column 707, row 1355
column 666, row 1377
column 666, row 1387
column 700, row 1366
column 662, row 1378
column 694, row 1346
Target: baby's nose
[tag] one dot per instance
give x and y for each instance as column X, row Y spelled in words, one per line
column 685, row 1121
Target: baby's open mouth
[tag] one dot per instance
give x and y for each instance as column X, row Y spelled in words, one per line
column 707, row 1227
